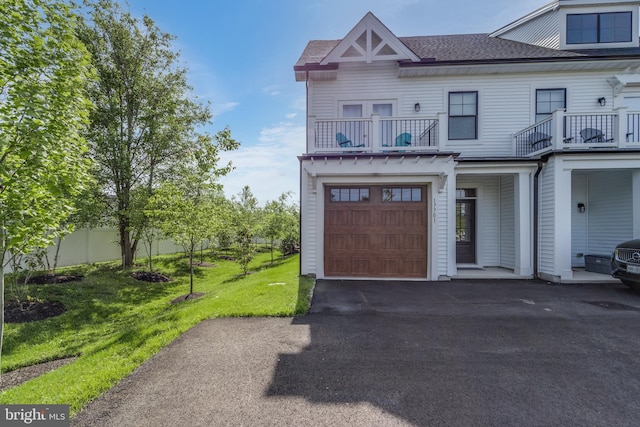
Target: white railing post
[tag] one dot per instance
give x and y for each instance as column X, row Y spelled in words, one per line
column 443, row 131
column 311, row 134
column 558, row 129
column 374, row 139
column 621, row 126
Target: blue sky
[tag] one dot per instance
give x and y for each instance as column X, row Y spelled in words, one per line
column 240, row 55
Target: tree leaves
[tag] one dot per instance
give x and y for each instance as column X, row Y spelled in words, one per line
column 145, row 119
column 44, row 71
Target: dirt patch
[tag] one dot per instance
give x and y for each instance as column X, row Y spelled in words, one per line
column 227, row 257
column 147, row 276
column 31, row 311
column 187, row 297
column 48, row 279
column 19, row 376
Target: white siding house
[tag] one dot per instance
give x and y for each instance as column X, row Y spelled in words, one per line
column 435, row 157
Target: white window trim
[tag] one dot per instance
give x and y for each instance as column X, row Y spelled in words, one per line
column 534, row 98
column 563, row 12
column 367, row 106
column 478, row 137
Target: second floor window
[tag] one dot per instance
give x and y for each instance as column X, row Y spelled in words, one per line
column 548, row 101
column 585, row 28
column 463, row 115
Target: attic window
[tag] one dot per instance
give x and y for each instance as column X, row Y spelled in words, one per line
column 586, row 28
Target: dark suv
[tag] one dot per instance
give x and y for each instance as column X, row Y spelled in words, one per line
column 625, row 263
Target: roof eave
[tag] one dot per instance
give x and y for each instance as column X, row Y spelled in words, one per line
column 516, row 66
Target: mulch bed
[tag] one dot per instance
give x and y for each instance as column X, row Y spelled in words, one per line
column 48, row 279
column 186, row 297
column 148, row 276
column 31, row 311
column 19, row 376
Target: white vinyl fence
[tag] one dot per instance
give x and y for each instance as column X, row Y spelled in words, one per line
column 86, row 246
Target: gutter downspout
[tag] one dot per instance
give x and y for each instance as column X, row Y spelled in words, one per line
column 306, row 135
column 536, row 196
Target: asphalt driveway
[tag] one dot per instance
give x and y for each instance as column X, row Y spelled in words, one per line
column 453, row 353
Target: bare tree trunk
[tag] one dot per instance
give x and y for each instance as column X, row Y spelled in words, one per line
column 125, row 246
column 151, row 255
column 191, row 269
column 56, row 256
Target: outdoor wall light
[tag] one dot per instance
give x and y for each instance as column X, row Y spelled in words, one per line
column 581, row 207
column 417, row 107
column 602, row 101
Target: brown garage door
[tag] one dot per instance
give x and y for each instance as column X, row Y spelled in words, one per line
column 375, row 231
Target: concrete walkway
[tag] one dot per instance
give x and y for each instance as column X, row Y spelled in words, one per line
column 459, row 353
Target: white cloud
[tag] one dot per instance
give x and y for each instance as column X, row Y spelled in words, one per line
column 291, row 116
column 270, row 167
column 223, row 108
column 272, row 90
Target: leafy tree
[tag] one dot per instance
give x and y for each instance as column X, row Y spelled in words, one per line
column 290, row 240
column 184, row 215
column 281, row 221
column 185, row 210
column 246, row 224
column 44, row 72
column 145, row 118
column 224, row 233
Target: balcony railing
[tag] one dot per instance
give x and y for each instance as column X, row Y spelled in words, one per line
column 565, row 131
column 561, row 131
column 376, row 134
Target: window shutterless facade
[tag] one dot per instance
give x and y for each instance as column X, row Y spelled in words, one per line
column 549, row 100
column 587, row 28
column 463, row 115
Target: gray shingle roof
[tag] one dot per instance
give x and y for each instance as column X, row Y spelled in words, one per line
column 469, row 47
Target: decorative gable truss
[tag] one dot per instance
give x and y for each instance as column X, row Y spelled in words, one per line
column 370, row 40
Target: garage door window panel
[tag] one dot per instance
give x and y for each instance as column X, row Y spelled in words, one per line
column 399, row 194
column 349, row 194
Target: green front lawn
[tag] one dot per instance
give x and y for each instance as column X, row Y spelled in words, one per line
column 114, row 322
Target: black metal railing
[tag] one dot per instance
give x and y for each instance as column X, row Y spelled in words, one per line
column 408, row 133
column 589, row 128
column 381, row 134
column 633, row 127
column 341, row 135
column 534, row 138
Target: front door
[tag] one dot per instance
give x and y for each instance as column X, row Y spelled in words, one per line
column 466, row 228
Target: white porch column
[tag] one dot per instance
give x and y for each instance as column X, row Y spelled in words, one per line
column 635, row 186
column 562, row 227
column 452, row 267
column 443, row 131
column 621, row 127
column 558, row 130
column 311, row 134
column 523, row 224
